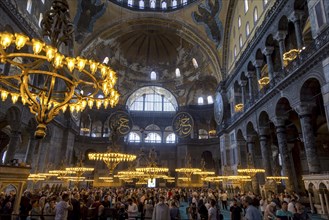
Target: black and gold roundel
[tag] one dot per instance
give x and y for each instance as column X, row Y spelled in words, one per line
column 121, row 122
column 183, row 124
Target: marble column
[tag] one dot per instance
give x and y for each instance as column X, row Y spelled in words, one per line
column 284, row 151
column 280, row 37
column 322, row 204
column 295, row 18
column 251, row 163
column 30, row 149
column 265, row 148
column 258, row 64
column 13, row 145
column 243, row 84
column 251, row 153
column 250, row 75
column 311, row 202
column 327, row 202
column 270, row 67
column 304, row 111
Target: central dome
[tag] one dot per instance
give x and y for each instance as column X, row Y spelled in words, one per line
column 150, row 47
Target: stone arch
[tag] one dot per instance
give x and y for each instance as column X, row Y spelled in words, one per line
column 263, row 119
column 311, row 188
column 282, row 107
column 310, row 89
column 283, row 23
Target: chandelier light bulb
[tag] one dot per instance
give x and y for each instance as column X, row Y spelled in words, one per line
column 50, row 53
column 20, row 40
column 6, row 39
column 37, row 46
column 70, row 63
column 93, row 66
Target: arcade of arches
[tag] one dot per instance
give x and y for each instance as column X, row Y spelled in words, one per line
column 254, row 78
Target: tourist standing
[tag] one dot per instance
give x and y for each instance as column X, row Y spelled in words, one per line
column 62, row 207
column 252, row 213
column 161, row 210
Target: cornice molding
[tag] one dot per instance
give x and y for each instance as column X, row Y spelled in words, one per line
column 17, row 17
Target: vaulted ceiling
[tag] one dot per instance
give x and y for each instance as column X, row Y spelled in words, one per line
column 138, row 42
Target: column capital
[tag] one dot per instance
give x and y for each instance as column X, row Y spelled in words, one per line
column 243, row 83
column 304, row 108
column 251, row 138
column 280, row 35
column 264, row 131
column 268, row 51
column 258, row 63
column 295, row 15
column 279, row 121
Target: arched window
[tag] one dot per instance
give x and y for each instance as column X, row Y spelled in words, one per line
column 235, row 52
column 29, row 6
column 153, row 75
column 210, row 100
column 153, row 138
column 174, row 3
column 246, row 6
column 134, row 137
column 141, row 4
column 152, row 4
column 152, row 98
column 240, row 41
column 164, row 5
column 40, row 19
column 171, row 138
column 203, row 134
column 106, row 60
column 239, row 21
column 195, row 63
column 3, row 157
column 200, row 101
column 247, row 29
column 255, row 15
column 265, row 2
column 177, row 71
column 130, row 3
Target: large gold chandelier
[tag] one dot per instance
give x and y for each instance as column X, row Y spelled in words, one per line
column 113, row 156
column 48, row 81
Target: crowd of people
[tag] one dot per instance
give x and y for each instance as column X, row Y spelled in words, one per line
column 151, row 203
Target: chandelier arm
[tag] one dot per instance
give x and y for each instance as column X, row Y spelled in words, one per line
column 9, row 84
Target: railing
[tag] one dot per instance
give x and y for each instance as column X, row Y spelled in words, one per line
column 310, row 56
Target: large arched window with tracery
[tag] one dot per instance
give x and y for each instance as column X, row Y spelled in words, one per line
column 134, row 137
column 171, row 138
column 152, row 98
column 153, row 138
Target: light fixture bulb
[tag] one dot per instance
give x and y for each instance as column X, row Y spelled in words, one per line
column 70, row 63
column 58, row 60
column 6, row 39
column 50, row 53
column 20, row 40
column 37, row 46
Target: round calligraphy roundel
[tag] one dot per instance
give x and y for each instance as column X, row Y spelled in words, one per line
column 183, row 124
column 218, row 108
column 121, row 122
